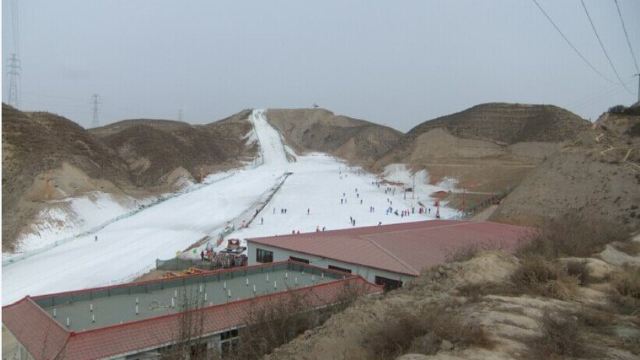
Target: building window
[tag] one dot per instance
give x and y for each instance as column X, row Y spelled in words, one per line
column 389, row 284
column 331, row 267
column 264, row 256
column 293, row 258
column 229, row 342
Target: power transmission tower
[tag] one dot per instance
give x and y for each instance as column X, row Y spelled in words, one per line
column 13, row 70
column 96, row 101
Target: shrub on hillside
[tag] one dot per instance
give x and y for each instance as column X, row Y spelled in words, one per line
column 626, row 286
column 560, row 339
column 578, row 269
column 571, row 235
column 425, row 330
column 634, row 131
column 539, row 276
column 617, row 109
column 463, row 253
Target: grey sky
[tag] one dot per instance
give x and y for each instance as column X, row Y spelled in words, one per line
column 396, row 63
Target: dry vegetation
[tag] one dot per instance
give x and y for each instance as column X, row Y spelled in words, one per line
column 560, row 339
column 538, row 276
column 426, row 330
column 275, row 323
column 626, row 294
column 572, row 235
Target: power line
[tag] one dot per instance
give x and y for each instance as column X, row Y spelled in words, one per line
column 593, row 26
column 626, row 35
column 571, row 44
column 15, row 26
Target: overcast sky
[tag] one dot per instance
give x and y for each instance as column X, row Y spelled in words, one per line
column 396, row 63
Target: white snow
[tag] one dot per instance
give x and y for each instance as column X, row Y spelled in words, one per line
column 318, row 184
column 62, row 219
column 128, row 247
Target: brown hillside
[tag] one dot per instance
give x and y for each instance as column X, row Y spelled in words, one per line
column 507, row 123
column 355, row 140
column 598, row 175
column 47, row 157
column 34, row 144
column 153, row 149
column 488, row 148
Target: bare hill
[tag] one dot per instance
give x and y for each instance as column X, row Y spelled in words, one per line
column 355, row 140
column 153, row 149
column 507, row 123
column 597, row 174
column 33, row 145
column 47, row 157
column 488, row 148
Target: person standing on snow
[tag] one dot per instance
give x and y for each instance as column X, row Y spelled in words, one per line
column 202, row 255
column 261, row 221
column 308, row 211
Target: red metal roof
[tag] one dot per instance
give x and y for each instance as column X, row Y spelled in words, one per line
column 401, row 248
column 45, row 339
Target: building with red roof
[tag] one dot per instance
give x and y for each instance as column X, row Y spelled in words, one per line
column 141, row 320
column 388, row 254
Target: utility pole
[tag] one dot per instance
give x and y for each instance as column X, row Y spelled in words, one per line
column 14, row 73
column 95, row 101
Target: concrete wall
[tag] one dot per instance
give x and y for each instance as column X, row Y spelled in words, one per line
column 282, row 255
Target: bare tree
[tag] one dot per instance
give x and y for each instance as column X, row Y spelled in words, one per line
column 189, row 340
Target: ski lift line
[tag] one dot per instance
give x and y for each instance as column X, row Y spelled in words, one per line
column 571, row 44
column 626, row 35
column 604, row 50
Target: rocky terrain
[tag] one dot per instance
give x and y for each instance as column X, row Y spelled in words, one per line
column 492, row 306
column 596, row 174
column 357, row 141
column 47, row 158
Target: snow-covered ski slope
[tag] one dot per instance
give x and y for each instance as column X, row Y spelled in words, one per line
column 129, row 247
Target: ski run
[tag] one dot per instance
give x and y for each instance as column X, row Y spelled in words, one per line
column 321, row 192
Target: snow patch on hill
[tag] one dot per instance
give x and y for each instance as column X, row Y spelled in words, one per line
column 72, row 216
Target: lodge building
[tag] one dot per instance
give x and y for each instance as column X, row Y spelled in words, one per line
column 387, row 255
